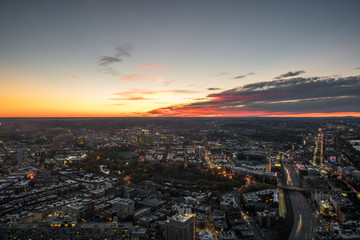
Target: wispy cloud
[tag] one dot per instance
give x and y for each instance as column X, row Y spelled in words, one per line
column 135, row 78
column 184, row 91
column 325, row 95
column 109, row 70
column 137, row 92
column 213, row 89
column 71, row 75
column 290, row 74
column 357, row 68
column 131, row 99
column 106, row 62
column 151, row 67
column 244, row 75
column 119, row 54
column 145, row 94
column 220, row 74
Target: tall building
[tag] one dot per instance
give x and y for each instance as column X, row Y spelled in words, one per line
column 21, row 158
column 180, row 227
column 125, row 208
column 55, row 144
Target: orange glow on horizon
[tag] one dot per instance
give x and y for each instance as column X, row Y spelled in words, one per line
column 212, row 112
column 26, row 94
column 54, row 106
column 80, row 113
column 30, row 106
column 32, row 101
column 335, row 114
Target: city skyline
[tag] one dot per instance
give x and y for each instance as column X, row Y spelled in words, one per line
column 183, row 59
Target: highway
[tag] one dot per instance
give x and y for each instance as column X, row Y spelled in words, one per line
column 303, row 220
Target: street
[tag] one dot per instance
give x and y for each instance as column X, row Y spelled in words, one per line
column 303, row 220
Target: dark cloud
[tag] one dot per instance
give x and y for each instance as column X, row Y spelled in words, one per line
column 290, row 74
column 106, row 60
column 295, row 95
column 243, row 76
column 119, row 54
column 213, row 89
column 357, row 68
column 324, row 105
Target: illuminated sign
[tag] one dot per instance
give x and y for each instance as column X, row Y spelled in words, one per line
column 301, row 167
column 332, row 159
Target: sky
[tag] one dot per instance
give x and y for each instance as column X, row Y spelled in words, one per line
column 204, row 58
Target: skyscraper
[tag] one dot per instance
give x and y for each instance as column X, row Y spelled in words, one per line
column 21, row 156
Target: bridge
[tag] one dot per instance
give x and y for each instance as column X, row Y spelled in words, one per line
column 303, row 189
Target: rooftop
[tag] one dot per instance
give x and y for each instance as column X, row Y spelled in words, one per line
column 182, row 218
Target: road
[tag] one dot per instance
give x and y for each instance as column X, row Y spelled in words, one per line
column 303, row 220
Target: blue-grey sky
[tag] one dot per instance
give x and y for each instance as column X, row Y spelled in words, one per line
column 116, row 58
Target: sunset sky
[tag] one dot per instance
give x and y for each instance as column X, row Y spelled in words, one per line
column 115, row 58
